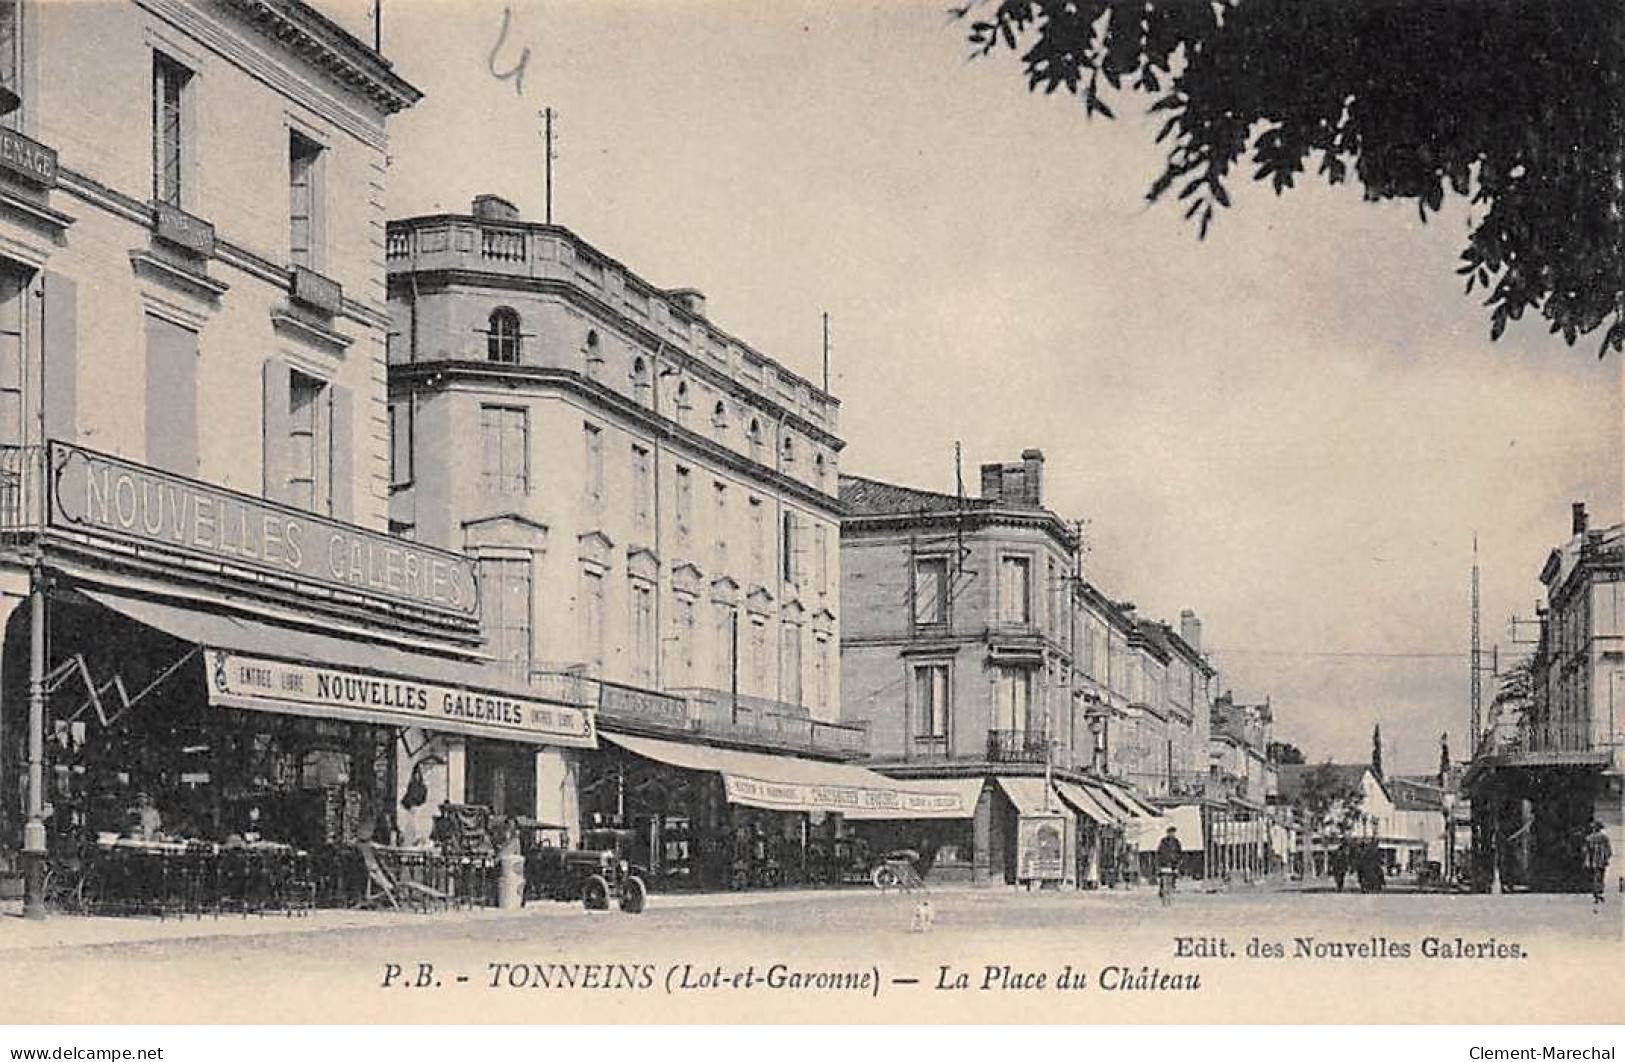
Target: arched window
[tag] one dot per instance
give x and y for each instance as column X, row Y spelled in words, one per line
column 683, row 405
column 719, row 415
column 818, row 469
column 755, row 435
column 789, row 449
column 640, row 379
column 502, row 340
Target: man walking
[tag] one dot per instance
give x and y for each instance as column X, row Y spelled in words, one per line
column 1595, row 853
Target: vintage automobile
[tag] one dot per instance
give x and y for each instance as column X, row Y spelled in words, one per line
column 593, row 873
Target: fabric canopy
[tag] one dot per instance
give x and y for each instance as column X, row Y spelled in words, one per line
column 792, row 783
column 1029, row 797
column 262, row 666
column 1186, row 819
column 1085, row 803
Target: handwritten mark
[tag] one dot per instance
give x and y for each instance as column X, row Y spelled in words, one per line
column 517, row 71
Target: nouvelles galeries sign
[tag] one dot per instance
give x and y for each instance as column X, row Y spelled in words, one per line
column 95, row 494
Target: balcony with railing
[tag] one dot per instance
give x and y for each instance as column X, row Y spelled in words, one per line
column 1018, row 746
column 22, row 490
column 1574, row 741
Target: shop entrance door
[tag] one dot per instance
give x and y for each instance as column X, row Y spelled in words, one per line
column 502, row 776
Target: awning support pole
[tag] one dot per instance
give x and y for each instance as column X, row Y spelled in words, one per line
column 34, row 827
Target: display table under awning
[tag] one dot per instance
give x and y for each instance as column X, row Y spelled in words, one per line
column 263, row 666
column 793, row 783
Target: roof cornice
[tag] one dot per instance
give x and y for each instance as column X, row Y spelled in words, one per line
column 327, row 44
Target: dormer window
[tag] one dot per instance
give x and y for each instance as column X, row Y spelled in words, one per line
column 502, row 339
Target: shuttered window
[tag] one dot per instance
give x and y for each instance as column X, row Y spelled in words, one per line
column 169, row 84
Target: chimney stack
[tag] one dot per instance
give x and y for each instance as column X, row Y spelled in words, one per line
column 1032, row 466
column 1190, row 629
column 493, row 208
column 690, row 299
column 992, row 482
column 1580, row 521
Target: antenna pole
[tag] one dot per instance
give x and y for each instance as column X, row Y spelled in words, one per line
column 826, row 352
column 547, row 155
column 378, row 26
column 1477, row 693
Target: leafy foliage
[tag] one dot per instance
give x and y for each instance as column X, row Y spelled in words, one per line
column 1327, row 798
column 1376, row 751
column 1284, row 752
column 1514, row 104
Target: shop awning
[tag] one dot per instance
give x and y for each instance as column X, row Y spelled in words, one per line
column 1028, row 795
column 1085, row 803
column 1186, row 819
column 270, row 667
column 792, row 783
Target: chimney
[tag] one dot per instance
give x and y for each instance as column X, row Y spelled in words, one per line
column 1032, row 464
column 993, row 482
column 1579, row 511
column 1190, row 629
column 494, row 208
column 690, row 299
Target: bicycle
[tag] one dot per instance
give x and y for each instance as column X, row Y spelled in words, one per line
column 1165, row 885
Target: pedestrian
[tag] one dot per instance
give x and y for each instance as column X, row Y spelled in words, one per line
column 1596, row 853
column 1339, row 860
column 1170, row 853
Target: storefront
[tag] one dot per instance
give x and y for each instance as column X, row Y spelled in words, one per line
column 703, row 816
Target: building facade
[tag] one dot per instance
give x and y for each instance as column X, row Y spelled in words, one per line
column 653, row 507
column 973, row 650
column 1537, row 782
column 205, row 615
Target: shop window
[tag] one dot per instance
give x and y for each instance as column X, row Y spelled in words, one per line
column 305, row 201
column 504, row 444
column 171, row 132
column 502, row 336
column 931, row 693
column 502, row 776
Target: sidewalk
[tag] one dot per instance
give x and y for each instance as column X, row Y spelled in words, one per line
column 78, row 931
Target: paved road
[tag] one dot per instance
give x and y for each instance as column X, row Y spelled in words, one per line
column 1395, row 957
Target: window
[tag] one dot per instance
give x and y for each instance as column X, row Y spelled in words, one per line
column 640, row 380
column 643, row 633
column 592, row 440
column 684, row 503
column 306, row 454
column 305, row 201
column 790, row 551
column 818, row 471
column 719, row 492
column 758, row 652
column 683, row 639
column 789, row 451
column 755, row 437
column 642, row 486
column 931, row 700
column 594, row 354
column 170, row 131
column 13, row 372
column 722, row 637
column 790, row 663
column 502, row 336
column 1012, row 689
column 400, row 442
column 592, row 621
column 1015, row 590
column 683, row 405
column 758, row 540
column 11, row 53
column 930, row 590
column 821, row 671
column 821, row 556
column 505, row 612
column 719, row 415
column 504, row 439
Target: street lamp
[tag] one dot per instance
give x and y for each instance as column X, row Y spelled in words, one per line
column 1448, row 804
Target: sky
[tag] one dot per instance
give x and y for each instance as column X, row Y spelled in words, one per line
column 1295, row 427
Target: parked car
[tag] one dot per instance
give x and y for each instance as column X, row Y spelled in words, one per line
column 592, row 873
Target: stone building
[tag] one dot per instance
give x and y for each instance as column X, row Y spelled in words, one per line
column 961, row 656
column 1538, row 781
column 194, row 462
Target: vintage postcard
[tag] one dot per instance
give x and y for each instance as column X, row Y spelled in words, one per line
column 857, row 511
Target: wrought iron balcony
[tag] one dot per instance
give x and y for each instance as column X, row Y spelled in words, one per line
column 22, row 489
column 1017, row 746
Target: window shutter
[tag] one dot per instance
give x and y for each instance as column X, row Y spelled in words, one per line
column 171, row 397
column 277, row 425
column 60, row 346
column 341, row 453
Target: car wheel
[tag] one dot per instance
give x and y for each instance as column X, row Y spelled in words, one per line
column 884, row 878
column 634, row 895
column 595, row 894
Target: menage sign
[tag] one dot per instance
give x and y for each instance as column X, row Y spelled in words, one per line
column 98, row 495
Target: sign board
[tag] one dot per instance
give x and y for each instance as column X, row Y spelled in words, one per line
column 1040, row 848
column 176, row 226
column 647, row 705
column 103, row 496
column 263, row 684
column 863, row 800
column 316, row 291
column 27, row 158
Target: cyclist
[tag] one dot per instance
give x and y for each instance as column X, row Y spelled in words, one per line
column 1169, row 855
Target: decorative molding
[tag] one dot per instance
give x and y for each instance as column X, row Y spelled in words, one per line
column 176, row 276
column 285, row 319
column 37, row 215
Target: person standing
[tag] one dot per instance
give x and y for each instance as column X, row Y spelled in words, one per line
column 1596, row 852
